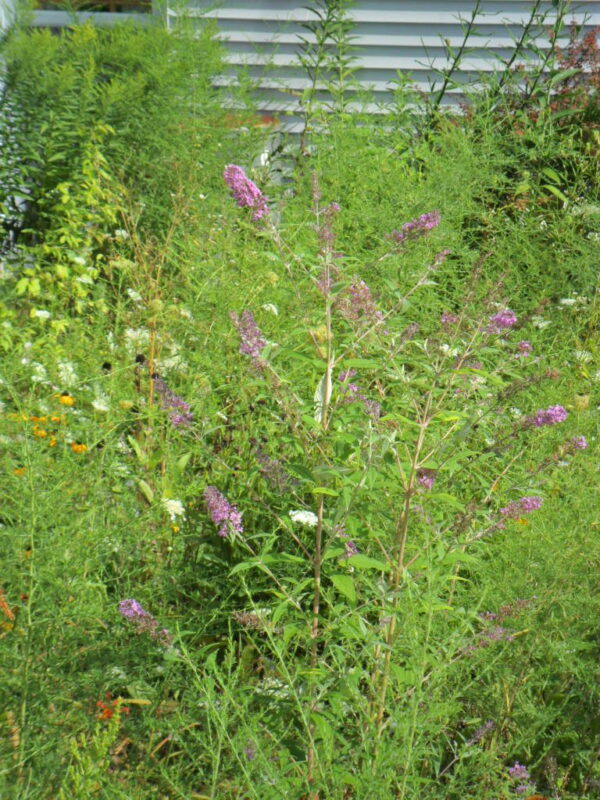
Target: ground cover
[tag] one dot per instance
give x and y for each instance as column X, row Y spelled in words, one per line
column 300, row 478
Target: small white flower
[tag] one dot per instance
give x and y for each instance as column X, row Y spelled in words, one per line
column 100, row 403
column 121, row 234
column 304, row 518
column 66, row 373
column 594, row 236
column 584, row 356
column 39, row 373
column 136, row 338
column 174, row 508
column 41, row 313
column 270, row 307
column 449, row 351
column 201, row 197
column 515, row 412
column 540, row 323
column 135, row 296
column 567, row 301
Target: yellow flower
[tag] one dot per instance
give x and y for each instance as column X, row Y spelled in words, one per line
column 78, row 447
column 175, row 528
column 65, row 399
column 19, row 470
column 40, row 432
column 52, row 441
column 56, row 419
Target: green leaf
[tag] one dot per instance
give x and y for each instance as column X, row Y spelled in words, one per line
column 365, row 562
column 183, row 462
column 300, row 471
column 448, row 499
column 556, row 192
column 325, row 490
column 361, row 363
column 146, row 490
column 142, row 457
column 345, row 585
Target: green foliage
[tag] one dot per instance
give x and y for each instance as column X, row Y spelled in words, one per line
column 396, row 635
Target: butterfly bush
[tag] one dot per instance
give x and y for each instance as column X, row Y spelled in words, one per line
column 224, row 514
column 417, row 227
column 143, row 621
column 251, row 340
column 523, row 506
column 502, row 321
column 245, row 192
column 548, row 416
column 179, row 410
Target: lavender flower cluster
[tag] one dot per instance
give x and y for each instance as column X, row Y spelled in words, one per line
column 251, row 340
column 417, row 227
column 525, row 505
column 352, row 394
column 426, row 477
column 245, row 192
column 143, row 621
column 356, row 304
column 502, row 321
column 224, row 515
column 548, row 416
column 180, row 414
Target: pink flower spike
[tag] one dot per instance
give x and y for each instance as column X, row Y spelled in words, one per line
column 245, row 192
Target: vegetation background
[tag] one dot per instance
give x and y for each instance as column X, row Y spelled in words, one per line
column 403, row 632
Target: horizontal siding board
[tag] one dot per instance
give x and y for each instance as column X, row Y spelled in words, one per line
column 390, row 37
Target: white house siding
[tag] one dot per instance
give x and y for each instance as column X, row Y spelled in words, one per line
column 391, row 36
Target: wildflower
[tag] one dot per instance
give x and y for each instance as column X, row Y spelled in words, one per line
column 356, row 304
column 224, row 515
column 567, row 301
column 174, row 508
column 352, row 394
column 523, row 506
column 41, row 313
column 39, row 432
column 304, row 518
column 417, row 227
column 251, row 341
column 66, row 373
column 548, row 416
column 518, row 772
column 100, row 403
column 143, row 621
column 449, row 319
column 503, row 320
column 19, row 471
column 579, row 442
column 180, row 414
column 482, row 731
column 426, row 477
column 78, row 447
column 52, row 442
column 583, row 356
column 245, row 192
column 524, row 348
column 65, row 399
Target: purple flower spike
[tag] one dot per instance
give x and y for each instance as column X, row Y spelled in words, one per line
column 131, row 609
column 356, row 304
column 251, row 341
column 525, row 505
column 245, row 192
column 417, row 227
column 426, row 477
column 449, row 319
column 518, row 772
column 180, row 414
column 143, row 621
column 224, row 515
column 579, row 442
column 548, row 416
column 503, row 320
column 524, row 349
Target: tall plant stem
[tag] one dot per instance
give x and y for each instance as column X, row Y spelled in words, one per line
column 317, row 556
column 457, row 59
column 398, row 569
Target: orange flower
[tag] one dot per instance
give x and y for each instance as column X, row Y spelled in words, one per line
column 78, row 447
column 19, row 471
column 52, row 441
column 40, row 432
column 65, row 399
column 56, row 419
